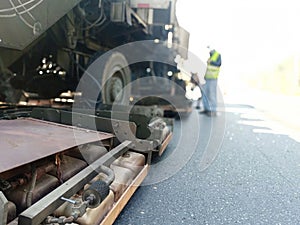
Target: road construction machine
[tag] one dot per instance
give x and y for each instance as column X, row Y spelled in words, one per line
column 85, row 87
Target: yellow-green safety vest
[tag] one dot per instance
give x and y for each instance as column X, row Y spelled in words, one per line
column 214, row 57
column 212, row 72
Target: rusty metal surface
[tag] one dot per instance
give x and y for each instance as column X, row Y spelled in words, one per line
column 26, row 140
column 46, row 206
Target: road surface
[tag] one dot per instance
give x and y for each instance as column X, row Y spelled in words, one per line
column 237, row 168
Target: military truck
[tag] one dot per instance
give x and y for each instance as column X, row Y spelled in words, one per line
column 79, row 85
column 47, row 44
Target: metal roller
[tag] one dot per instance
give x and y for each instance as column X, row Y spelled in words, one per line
column 96, row 193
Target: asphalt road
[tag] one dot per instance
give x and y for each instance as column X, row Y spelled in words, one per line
column 232, row 169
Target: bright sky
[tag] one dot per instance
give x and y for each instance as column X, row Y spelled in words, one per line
column 250, row 34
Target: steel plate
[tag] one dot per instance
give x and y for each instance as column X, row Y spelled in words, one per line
column 26, row 140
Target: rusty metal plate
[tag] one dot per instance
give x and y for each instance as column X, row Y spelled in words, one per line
column 26, row 140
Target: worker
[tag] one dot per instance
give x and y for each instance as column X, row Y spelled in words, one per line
column 209, row 89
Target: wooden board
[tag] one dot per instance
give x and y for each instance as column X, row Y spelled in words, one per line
column 120, row 204
column 165, row 144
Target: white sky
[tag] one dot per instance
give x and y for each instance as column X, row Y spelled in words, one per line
column 250, row 34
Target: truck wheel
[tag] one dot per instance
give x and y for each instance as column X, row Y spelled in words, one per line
column 116, row 75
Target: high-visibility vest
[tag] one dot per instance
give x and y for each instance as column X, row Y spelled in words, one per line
column 214, row 57
column 212, row 72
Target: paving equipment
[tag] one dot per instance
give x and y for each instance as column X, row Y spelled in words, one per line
column 47, row 44
column 84, row 89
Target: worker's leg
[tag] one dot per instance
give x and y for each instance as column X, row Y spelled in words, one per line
column 210, row 95
column 204, row 92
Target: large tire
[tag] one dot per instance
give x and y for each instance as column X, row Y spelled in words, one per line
column 115, row 76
